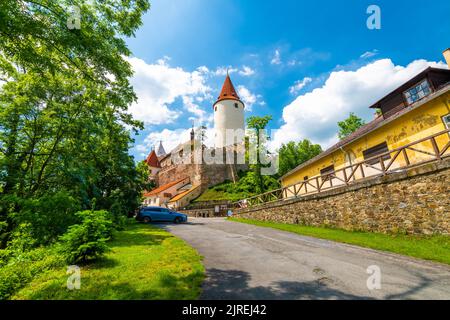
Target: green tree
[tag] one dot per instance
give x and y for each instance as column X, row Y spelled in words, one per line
column 293, row 154
column 258, row 139
column 64, row 124
column 349, row 125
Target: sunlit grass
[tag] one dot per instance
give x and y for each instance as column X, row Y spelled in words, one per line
column 145, row 263
column 436, row 247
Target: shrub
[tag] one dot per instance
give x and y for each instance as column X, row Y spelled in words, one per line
column 21, row 269
column 48, row 216
column 87, row 240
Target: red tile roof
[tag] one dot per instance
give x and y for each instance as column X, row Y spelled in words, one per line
column 228, row 92
column 165, row 187
column 152, row 160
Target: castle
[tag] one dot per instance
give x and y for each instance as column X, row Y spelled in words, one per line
column 190, row 168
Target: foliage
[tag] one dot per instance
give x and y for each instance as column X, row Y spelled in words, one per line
column 22, row 268
column 144, row 175
column 349, row 125
column 64, row 121
column 46, row 217
column 35, row 35
column 87, row 240
column 293, row 154
column 244, row 188
column 258, row 140
column 145, row 262
column 435, row 248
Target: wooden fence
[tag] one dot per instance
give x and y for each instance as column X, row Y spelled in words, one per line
column 392, row 161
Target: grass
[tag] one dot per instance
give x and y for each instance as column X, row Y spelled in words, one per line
column 435, row 248
column 220, row 195
column 145, row 263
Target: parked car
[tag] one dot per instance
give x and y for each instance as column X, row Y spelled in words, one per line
column 153, row 214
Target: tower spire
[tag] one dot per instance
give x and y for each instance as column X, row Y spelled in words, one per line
column 161, row 152
column 228, row 91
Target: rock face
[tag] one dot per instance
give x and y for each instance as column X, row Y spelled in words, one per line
column 415, row 201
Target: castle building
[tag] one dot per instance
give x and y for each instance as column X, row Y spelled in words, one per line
column 180, row 176
column 153, row 164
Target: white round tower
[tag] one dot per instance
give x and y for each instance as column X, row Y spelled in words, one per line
column 228, row 116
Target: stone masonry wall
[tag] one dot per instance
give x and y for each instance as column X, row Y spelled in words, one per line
column 416, row 201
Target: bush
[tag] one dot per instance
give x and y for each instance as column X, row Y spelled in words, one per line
column 48, row 216
column 21, row 269
column 87, row 240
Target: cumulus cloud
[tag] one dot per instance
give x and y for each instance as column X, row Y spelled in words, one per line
column 299, row 85
column 222, row 71
column 158, row 86
column 249, row 98
column 246, row 71
column 171, row 139
column 276, row 59
column 314, row 115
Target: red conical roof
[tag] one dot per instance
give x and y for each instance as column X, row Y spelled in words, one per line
column 152, row 160
column 228, row 92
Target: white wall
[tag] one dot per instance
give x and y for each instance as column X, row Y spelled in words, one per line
column 227, row 116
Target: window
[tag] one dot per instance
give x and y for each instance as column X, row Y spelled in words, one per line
column 446, row 120
column 236, row 105
column 215, row 108
column 418, row 92
column 325, row 172
column 376, row 150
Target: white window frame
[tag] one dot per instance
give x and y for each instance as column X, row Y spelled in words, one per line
column 408, row 95
column 446, row 120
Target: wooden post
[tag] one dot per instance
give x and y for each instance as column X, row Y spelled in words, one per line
column 405, row 155
column 436, row 148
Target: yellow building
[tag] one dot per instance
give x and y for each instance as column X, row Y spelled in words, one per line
column 411, row 129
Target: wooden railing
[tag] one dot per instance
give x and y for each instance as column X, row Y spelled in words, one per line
column 371, row 167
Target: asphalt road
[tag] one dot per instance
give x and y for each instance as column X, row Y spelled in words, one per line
column 249, row 262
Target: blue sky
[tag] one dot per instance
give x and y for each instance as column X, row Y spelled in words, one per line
column 307, row 63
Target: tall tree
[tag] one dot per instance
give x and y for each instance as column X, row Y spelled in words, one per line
column 64, row 123
column 349, row 125
column 293, row 154
column 259, row 138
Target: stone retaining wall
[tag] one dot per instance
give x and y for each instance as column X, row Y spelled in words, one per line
column 202, row 213
column 414, row 201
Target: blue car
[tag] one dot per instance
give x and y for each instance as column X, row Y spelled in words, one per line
column 153, row 214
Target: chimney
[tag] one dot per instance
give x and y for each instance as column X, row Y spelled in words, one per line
column 446, row 54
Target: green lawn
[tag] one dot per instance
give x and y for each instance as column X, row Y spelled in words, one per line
column 436, row 248
column 145, row 263
column 220, row 195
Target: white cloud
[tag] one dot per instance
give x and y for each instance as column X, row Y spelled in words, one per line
column 200, row 116
column 299, row 85
column 276, row 59
column 294, row 62
column 246, row 71
column 171, row 138
column 314, row 115
column 158, row 86
column 369, row 54
column 248, row 98
column 222, row 71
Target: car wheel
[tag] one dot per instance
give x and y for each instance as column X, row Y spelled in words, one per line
column 177, row 220
column 147, row 219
